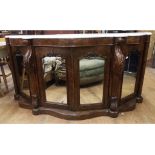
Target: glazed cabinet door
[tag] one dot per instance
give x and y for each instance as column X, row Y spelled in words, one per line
column 133, row 69
column 54, row 76
column 91, row 74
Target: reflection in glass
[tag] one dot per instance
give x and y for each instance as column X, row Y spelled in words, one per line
column 128, row 87
column 130, row 73
column 54, row 70
column 91, row 70
column 22, row 74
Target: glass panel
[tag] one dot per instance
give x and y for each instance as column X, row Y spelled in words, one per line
column 91, row 70
column 54, row 70
column 130, row 74
column 22, row 74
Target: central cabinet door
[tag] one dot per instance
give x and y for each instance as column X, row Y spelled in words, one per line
column 91, row 69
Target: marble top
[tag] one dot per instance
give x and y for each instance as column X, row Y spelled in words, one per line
column 74, row 36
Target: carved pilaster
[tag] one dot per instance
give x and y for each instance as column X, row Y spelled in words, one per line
column 118, row 60
column 30, row 68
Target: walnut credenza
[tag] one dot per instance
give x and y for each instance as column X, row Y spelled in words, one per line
column 35, row 60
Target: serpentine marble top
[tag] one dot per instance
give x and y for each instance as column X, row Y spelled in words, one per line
column 74, row 36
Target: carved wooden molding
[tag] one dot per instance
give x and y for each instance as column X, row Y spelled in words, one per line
column 119, row 55
column 119, row 59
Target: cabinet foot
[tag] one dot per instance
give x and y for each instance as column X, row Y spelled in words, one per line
column 139, row 99
column 16, row 96
column 35, row 111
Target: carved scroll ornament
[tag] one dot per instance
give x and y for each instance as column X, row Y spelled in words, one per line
column 119, row 59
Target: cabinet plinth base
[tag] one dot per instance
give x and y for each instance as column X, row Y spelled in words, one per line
column 24, row 103
column 74, row 115
column 78, row 115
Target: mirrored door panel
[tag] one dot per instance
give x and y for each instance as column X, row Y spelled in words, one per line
column 22, row 73
column 130, row 74
column 54, row 75
column 91, row 71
